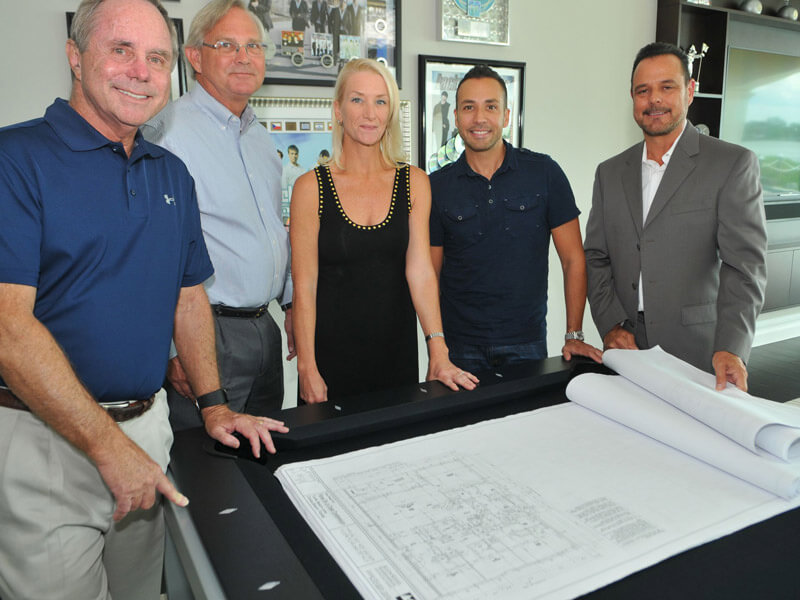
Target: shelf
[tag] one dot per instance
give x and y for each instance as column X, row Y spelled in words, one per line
column 730, row 8
column 706, row 110
column 719, row 25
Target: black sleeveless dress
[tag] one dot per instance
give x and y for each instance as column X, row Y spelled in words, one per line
column 366, row 331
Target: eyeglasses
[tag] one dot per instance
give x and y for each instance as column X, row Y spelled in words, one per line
column 227, row 48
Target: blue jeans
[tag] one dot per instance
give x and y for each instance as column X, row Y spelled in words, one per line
column 475, row 357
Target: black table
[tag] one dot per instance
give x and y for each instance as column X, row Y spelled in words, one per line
column 265, row 540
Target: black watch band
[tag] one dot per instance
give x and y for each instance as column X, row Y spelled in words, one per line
column 214, row 398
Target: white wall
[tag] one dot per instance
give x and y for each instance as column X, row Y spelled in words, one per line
column 577, row 106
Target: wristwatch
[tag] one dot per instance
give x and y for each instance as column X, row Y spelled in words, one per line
column 214, row 398
column 573, row 335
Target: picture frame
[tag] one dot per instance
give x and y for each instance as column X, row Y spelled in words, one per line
column 438, row 142
column 306, row 48
column 475, row 21
column 180, row 83
column 307, row 124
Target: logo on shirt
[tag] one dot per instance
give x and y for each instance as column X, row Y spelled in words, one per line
column 169, row 199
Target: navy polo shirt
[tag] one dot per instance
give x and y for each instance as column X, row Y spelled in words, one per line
column 496, row 238
column 106, row 240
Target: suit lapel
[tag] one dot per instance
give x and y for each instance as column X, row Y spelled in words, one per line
column 680, row 166
column 632, row 185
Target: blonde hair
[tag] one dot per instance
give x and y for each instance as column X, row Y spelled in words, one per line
column 391, row 143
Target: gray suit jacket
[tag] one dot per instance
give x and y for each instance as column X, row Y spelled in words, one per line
column 702, row 251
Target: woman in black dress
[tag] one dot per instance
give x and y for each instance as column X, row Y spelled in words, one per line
column 361, row 260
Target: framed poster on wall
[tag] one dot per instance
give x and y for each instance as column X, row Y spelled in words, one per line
column 439, row 142
column 309, row 40
column 301, row 130
column 477, row 21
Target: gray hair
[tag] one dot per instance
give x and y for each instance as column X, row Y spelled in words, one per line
column 208, row 17
column 83, row 24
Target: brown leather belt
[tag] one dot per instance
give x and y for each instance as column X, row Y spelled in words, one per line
column 239, row 313
column 119, row 411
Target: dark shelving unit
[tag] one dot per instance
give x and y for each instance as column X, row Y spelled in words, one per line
column 722, row 25
column 685, row 23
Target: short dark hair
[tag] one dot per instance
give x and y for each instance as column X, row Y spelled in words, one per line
column 445, row 94
column 292, row 147
column 660, row 49
column 483, row 72
column 324, row 153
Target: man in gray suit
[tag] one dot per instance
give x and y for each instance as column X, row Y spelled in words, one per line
column 676, row 238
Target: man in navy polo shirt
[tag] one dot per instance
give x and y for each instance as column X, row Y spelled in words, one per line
column 101, row 255
column 492, row 216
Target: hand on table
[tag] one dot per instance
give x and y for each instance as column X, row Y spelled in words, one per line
column 312, row 387
column 221, row 422
column 619, row 338
column 729, row 368
column 578, row 348
column 451, row 375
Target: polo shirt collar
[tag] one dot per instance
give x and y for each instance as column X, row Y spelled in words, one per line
column 79, row 135
column 509, row 162
column 219, row 112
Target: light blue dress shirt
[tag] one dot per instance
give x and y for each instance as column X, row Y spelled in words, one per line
column 237, row 172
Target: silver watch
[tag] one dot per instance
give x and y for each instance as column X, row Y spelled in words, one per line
column 573, row 335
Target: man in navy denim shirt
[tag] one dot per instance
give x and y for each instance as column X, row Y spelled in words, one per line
column 492, row 216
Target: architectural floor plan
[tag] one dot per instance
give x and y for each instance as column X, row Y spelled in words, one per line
column 548, row 504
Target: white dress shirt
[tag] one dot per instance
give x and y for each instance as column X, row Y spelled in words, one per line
column 237, row 172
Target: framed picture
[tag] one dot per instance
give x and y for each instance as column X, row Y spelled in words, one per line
column 179, row 73
column 439, row 142
column 309, row 40
column 179, row 81
column 301, row 129
column 477, row 21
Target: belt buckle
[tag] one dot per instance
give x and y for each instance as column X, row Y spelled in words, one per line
column 119, row 404
column 125, row 410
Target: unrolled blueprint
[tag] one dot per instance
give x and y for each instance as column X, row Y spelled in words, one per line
column 547, row 504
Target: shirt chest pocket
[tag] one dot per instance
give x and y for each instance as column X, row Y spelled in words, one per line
column 462, row 223
column 523, row 215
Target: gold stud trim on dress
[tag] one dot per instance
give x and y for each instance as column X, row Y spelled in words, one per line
column 380, row 225
column 408, row 186
column 319, row 182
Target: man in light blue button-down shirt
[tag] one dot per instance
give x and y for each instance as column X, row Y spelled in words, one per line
column 238, row 175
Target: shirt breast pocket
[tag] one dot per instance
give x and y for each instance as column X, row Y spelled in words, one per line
column 462, row 224
column 523, row 215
